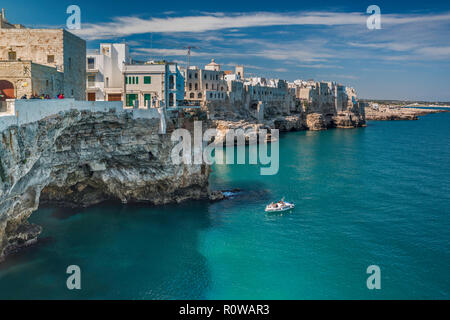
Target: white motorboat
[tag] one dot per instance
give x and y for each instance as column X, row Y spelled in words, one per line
column 280, row 206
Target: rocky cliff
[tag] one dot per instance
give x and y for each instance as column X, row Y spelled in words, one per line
column 81, row 158
column 385, row 113
column 283, row 116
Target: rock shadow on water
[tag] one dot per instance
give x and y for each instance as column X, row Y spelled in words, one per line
column 132, row 251
column 25, row 254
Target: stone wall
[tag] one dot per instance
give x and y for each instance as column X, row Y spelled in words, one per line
column 33, row 44
column 29, row 111
column 54, row 48
column 46, row 80
column 29, row 78
column 74, row 66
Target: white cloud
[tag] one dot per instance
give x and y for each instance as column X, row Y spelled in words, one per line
column 126, row 26
column 435, row 51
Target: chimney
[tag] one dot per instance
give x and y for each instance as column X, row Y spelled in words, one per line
column 3, row 14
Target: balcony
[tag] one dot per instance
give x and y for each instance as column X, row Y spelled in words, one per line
column 91, row 68
column 91, row 84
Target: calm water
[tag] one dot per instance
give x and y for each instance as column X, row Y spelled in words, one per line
column 377, row 195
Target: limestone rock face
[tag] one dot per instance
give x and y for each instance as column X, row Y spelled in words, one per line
column 291, row 123
column 348, row 120
column 82, row 158
column 283, row 115
column 316, row 121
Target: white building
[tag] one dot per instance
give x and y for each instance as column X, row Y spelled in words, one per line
column 105, row 72
column 324, row 95
column 153, row 84
column 263, row 89
column 206, row 84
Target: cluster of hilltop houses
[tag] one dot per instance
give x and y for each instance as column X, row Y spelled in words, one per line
column 50, row 62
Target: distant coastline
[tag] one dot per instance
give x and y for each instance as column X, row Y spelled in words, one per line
column 400, row 111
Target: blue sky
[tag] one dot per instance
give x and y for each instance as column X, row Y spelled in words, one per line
column 409, row 58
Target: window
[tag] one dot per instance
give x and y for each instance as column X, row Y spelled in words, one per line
column 199, row 95
column 46, row 83
column 91, row 63
column 191, row 95
column 196, row 76
column 12, row 55
column 91, row 81
column 190, row 75
column 190, row 86
column 147, row 80
column 196, row 86
column 70, row 63
column 206, row 86
column 50, row 58
column 131, row 80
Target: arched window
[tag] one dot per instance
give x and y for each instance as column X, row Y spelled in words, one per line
column 196, row 86
column 192, row 95
column 206, row 86
column 200, row 95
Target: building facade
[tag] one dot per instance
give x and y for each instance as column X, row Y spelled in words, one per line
column 24, row 78
column 58, row 50
column 104, row 72
column 207, row 84
column 153, row 84
column 324, row 95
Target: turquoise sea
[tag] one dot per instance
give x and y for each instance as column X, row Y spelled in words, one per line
column 378, row 195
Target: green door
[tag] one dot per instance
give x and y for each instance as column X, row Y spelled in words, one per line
column 130, row 99
column 148, row 100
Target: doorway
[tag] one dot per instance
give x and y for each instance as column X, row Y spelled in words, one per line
column 91, row 96
column 6, row 90
column 115, row 97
